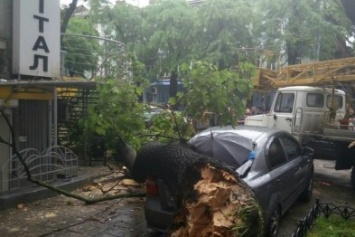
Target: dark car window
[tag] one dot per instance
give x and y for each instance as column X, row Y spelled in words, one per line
column 292, row 148
column 275, row 154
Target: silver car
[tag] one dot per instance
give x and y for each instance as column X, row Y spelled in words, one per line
column 272, row 162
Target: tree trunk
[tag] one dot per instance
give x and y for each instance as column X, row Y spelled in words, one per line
column 293, row 54
column 349, row 6
column 216, row 203
column 342, row 50
column 211, row 199
column 173, row 83
column 173, row 87
column 68, row 13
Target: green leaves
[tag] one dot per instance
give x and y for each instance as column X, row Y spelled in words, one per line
column 213, row 47
column 81, row 53
column 213, row 93
column 117, row 113
column 305, row 29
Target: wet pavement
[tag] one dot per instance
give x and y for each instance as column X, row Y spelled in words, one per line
column 63, row 216
column 330, row 186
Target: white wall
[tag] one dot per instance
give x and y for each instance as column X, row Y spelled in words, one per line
column 36, row 38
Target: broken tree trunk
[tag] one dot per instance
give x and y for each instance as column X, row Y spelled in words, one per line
column 212, row 200
column 218, row 203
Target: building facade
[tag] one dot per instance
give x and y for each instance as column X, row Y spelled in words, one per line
column 29, row 81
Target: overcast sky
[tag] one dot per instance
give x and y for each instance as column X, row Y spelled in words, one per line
column 141, row 3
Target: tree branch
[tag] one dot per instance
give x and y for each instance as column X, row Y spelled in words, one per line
column 68, row 13
column 51, row 187
column 87, row 201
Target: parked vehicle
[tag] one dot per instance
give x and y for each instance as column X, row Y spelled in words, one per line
column 151, row 111
column 272, row 162
column 313, row 115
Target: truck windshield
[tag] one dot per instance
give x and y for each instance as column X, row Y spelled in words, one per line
column 284, row 102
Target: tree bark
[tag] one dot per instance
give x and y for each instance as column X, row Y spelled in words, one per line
column 173, row 83
column 293, row 54
column 68, row 14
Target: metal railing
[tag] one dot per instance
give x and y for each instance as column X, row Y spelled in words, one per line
column 325, row 210
column 56, row 162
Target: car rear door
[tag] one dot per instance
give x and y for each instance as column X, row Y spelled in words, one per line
column 300, row 164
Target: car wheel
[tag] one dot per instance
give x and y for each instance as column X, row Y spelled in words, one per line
column 274, row 223
column 306, row 195
column 353, row 177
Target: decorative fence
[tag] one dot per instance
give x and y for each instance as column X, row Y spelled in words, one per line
column 322, row 209
column 56, row 162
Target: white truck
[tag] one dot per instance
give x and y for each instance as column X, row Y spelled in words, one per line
column 312, row 115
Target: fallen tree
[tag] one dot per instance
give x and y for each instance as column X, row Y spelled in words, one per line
column 212, row 200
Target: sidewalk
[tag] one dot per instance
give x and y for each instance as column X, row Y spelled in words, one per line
column 63, row 216
column 85, row 175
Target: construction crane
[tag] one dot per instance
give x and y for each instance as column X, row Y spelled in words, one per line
column 321, row 73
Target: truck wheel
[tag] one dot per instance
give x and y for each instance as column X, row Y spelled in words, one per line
column 353, row 177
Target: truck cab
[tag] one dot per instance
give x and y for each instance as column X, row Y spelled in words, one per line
column 302, row 109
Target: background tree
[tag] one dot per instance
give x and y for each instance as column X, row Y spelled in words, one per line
column 304, row 28
column 223, row 33
column 167, row 30
column 124, row 23
column 82, row 53
column 216, row 94
column 68, row 12
column 349, row 6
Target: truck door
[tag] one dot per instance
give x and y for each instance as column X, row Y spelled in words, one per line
column 282, row 112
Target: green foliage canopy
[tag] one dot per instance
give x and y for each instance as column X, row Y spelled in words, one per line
column 116, row 115
column 305, row 29
column 223, row 33
column 212, row 92
column 81, row 53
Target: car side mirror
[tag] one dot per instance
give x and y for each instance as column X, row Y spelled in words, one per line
column 307, row 151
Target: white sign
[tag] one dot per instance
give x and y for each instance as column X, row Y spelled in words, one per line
column 36, row 38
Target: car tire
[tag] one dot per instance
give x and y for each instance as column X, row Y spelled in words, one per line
column 274, row 223
column 353, row 177
column 306, row 195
